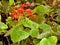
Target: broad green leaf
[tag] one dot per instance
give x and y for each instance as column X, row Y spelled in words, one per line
column 58, row 29
column 2, row 31
column 35, row 25
column 3, row 26
column 27, row 22
column 34, row 32
column 48, row 41
column 43, row 35
column 52, row 40
column 41, row 10
column 45, row 27
column 45, row 41
column 46, row 31
column 17, row 34
column 11, row 2
column 40, row 19
column 10, row 22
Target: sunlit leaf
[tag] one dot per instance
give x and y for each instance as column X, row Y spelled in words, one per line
column 48, row 41
column 46, row 31
column 34, row 32
column 27, row 22
column 41, row 10
column 3, row 26
column 17, row 34
column 11, row 2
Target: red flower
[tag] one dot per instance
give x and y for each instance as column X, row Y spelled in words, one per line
column 21, row 14
column 20, row 10
column 56, row 1
column 22, row 5
column 12, row 17
column 29, row 12
column 12, row 14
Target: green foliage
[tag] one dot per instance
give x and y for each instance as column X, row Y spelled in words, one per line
column 46, row 31
column 45, row 27
column 17, row 34
column 27, row 30
column 10, row 22
column 48, row 41
column 34, row 32
column 58, row 29
column 27, row 23
column 34, row 27
column 3, row 26
column 41, row 10
column 11, row 2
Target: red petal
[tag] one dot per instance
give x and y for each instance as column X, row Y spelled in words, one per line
column 56, row 1
column 13, row 13
column 29, row 11
column 12, row 17
column 20, row 10
column 21, row 14
column 22, row 5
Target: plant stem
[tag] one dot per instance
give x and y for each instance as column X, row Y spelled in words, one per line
column 8, row 40
column 19, row 43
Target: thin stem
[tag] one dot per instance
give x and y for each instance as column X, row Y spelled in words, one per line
column 8, row 40
column 19, row 43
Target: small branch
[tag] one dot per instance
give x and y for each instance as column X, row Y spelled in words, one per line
column 8, row 40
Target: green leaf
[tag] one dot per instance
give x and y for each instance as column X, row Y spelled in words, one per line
column 46, row 31
column 10, row 22
column 52, row 40
column 17, row 34
column 41, row 10
column 58, row 29
column 35, row 25
column 48, row 41
column 11, row 2
column 43, row 35
column 40, row 19
column 45, row 41
column 3, row 31
column 45, row 27
column 34, row 32
column 27, row 22
column 3, row 26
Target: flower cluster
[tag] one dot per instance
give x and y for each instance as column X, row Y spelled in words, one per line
column 57, row 1
column 21, row 10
